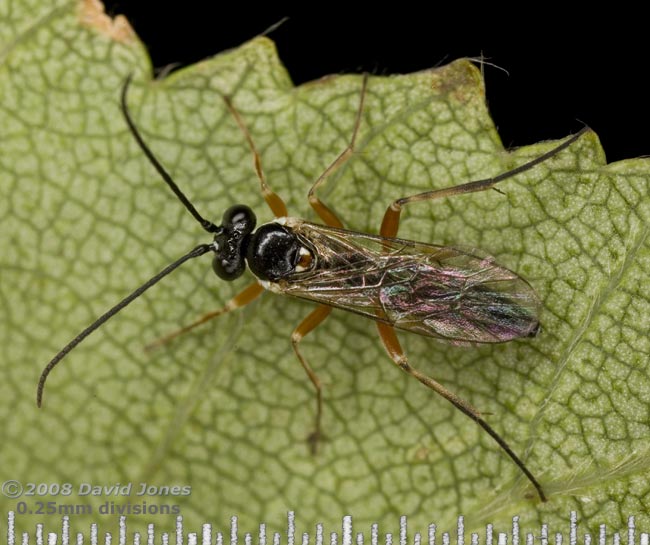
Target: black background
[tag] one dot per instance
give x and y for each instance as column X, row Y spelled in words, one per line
column 560, row 73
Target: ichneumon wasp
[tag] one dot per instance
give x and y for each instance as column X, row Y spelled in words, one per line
column 436, row 291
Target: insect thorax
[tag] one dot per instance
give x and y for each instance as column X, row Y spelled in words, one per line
column 275, row 251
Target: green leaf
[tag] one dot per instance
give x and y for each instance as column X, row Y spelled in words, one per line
column 227, row 409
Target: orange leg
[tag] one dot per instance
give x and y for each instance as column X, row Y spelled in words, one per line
column 314, row 319
column 248, row 295
column 326, row 213
column 394, row 349
column 275, row 202
column 390, row 223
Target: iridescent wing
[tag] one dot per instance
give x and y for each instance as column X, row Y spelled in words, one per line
column 437, row 291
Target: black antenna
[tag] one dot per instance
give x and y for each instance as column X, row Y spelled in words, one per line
column 196, row 252
column 207, row 225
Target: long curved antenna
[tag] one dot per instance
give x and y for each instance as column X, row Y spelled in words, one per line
column 206, row 224
column 196, row 252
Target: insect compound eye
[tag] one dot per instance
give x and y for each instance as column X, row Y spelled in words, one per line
column 231, row 243
column 239, row 219
column 273, row 252
column 228, row 268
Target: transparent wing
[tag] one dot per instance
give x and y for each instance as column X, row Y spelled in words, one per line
column 436, row 291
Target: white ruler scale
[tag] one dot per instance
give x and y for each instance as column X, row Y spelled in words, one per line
column 345, row 536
